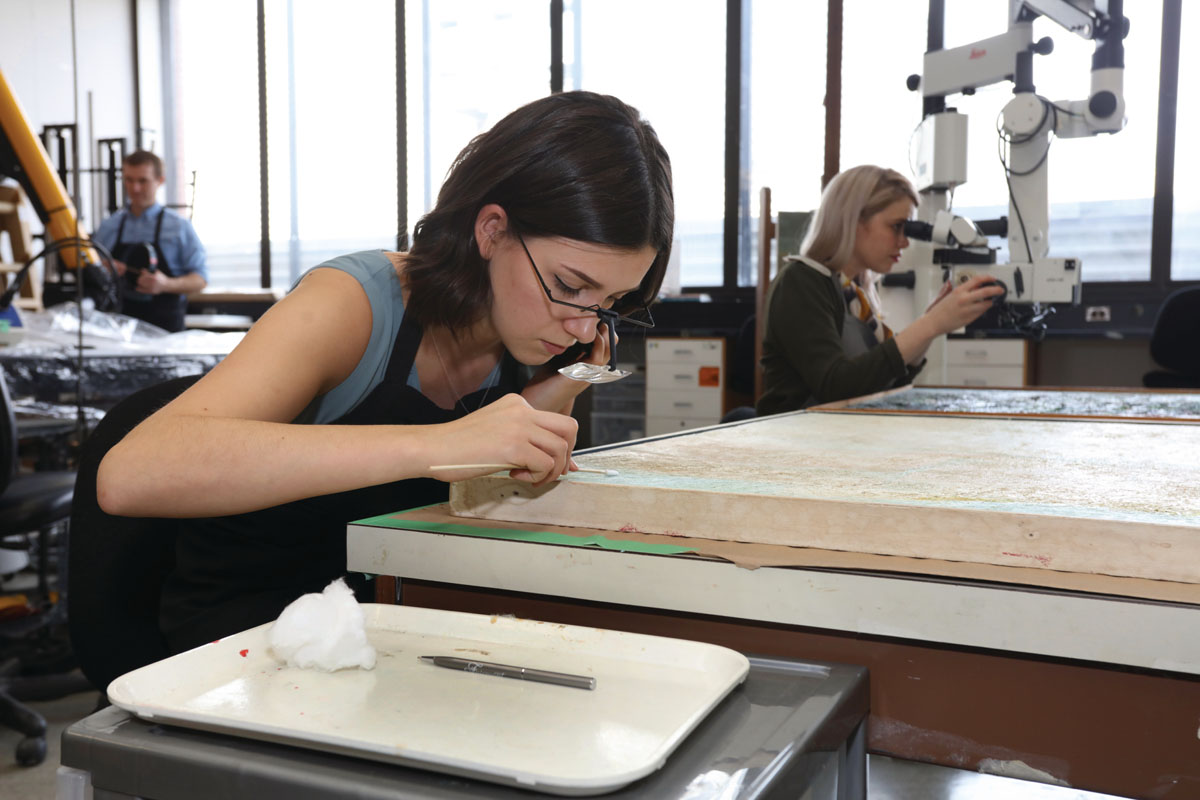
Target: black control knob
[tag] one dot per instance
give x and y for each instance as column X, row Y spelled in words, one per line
column 1102, row 104
column 913, row 82
column 1000, row 298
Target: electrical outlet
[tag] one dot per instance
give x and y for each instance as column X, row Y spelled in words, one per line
column 1097, row 314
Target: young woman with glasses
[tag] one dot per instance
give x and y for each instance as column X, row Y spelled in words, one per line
column 379, row 366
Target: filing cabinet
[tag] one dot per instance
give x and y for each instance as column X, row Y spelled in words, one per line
column 685, row 383
column 985, row 362
column 619, row 408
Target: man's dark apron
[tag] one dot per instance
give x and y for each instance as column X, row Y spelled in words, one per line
column 165, row 310
column 236, row 572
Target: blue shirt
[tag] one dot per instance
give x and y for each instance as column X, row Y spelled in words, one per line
column 177, row 241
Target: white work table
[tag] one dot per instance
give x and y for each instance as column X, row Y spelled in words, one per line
column 1012, row 614
column 1095, row 690
column 1133, row 632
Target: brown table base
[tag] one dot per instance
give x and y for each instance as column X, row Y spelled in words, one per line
column 1119, row 731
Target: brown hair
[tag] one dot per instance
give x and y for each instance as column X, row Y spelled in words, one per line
column 140, row 157
column 578, row 165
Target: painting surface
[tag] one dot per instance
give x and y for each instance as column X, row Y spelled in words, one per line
column 1106, row 497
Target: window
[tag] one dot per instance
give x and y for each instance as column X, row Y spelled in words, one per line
column 670, row 65
column 882, row 44
column 331, row 128
column 215, row 132
column 787, row 119
column 1185, row 251
column 150, row 77
column 469, row 63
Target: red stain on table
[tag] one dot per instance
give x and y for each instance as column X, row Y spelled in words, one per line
column 1043, row 560
column 243, row 653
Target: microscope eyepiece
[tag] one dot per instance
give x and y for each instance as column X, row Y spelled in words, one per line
column 915, row 229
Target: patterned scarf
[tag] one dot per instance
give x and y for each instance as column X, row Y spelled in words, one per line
column 865, row 306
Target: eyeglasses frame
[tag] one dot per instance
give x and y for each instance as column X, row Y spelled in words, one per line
column 606, row 315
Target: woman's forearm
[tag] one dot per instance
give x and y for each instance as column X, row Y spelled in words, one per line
column 183, row 464
column 194, row 466
column 914, row 341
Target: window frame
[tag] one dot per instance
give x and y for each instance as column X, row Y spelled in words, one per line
column 739, row 246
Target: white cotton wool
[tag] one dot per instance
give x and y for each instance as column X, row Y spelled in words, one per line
column 323, row 631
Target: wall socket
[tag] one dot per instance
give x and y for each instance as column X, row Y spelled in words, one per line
column 1097, row 314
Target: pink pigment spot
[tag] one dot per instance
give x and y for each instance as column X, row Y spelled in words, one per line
column 1043, row 560
column 628, row 529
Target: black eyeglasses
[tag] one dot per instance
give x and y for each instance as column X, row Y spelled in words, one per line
column 608, row 316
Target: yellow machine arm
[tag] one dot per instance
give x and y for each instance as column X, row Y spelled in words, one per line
column 23, row 157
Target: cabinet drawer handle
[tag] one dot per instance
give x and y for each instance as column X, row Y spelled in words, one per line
column 976, row 353
column 683, row 352
column 683, row 377
column 681, row 404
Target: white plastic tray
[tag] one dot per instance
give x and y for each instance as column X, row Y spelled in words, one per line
column 650, row 693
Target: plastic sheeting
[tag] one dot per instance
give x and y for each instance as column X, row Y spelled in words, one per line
column 52, row 372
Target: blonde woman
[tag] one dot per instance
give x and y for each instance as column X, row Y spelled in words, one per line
column 824, row 337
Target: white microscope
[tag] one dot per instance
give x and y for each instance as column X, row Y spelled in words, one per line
column 949, row 247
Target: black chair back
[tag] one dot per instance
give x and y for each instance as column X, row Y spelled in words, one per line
column 742, row 363
column 8, row 436
column 118, row 564
column 37, row 501
column 1175, row 342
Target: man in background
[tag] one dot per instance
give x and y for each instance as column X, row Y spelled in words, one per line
column 154, row 249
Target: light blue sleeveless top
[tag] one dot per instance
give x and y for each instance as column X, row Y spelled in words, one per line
column 375, row 272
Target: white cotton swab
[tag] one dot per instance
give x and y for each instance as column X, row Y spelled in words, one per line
column 608, row 473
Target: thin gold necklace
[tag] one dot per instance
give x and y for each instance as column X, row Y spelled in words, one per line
column 446, row 373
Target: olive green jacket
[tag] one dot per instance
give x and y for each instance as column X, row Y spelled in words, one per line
column 808, row 355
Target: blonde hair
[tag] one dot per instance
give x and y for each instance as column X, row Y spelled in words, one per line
column 853, row 196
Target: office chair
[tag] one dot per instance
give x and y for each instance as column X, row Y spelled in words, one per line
column 118, row 564
column 744, row 369
column 31, row 502
column 745, row 372
column 787, row 231
column 1175, row 342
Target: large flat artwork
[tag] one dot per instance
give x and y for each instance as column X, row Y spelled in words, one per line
column 1114, row 498
column 1115, row 404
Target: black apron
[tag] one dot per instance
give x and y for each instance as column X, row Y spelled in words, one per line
column 165, row 310
column 857, row 336
column 235, row 572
